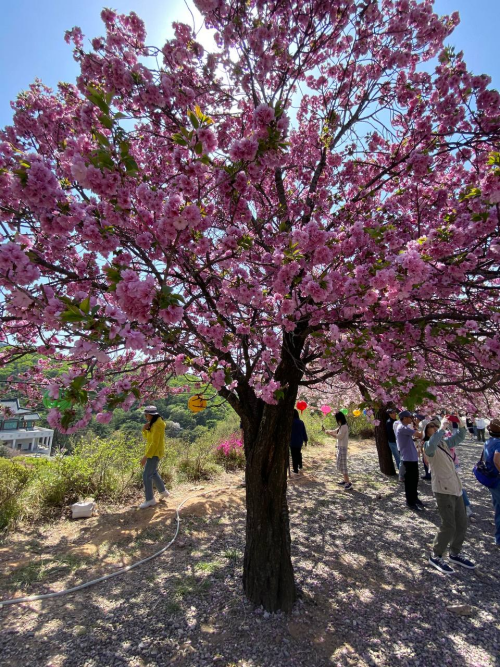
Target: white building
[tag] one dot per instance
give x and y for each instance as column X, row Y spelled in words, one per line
column 19, row 432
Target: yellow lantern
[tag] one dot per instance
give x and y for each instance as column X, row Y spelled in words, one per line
column 356, row 412
column 197, row 403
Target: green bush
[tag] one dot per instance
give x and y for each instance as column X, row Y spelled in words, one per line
column 37, row 488
column 14, row 476
column 33, row 489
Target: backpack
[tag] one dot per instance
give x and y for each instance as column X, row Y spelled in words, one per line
column 485, row 475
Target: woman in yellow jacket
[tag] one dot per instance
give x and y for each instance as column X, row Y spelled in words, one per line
column 154, row 435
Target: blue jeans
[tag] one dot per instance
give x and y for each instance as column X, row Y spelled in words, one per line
column 151, row 475
column 394, row 449
column 495, row 495
column 466, row 498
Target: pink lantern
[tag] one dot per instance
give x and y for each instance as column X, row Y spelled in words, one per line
column 325, row 409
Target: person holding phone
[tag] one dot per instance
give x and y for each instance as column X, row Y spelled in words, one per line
column 447, row 489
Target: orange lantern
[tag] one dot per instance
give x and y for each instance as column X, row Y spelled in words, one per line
column 197, row 403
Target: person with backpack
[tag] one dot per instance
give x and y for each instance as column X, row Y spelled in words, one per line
column 153, row 433
column 298, row 438
column 447, row 489
column 491, row 456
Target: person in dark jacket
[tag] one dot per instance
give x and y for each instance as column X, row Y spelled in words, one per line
column 391, row 438
column 299, row 437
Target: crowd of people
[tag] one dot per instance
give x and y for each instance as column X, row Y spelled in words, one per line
column 435, row 439
column 410, row 436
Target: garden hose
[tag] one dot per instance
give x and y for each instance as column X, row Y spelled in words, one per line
column 73, row 589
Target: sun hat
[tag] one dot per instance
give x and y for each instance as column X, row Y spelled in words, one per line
column 494, row 426
column 151, row 410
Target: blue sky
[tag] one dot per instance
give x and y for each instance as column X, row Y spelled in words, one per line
column 32, row 37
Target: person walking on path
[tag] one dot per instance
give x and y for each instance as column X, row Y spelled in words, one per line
column 492, row 460
column 481, row 427
column 299, row 438
column 391, row 438
column 405, row 432
column 447, row 489
column 154, row 434
column 342, row 435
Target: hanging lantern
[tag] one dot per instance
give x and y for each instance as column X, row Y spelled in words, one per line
column 325, row 409
column 356, row 413
column 301, row 405
column 197, row 403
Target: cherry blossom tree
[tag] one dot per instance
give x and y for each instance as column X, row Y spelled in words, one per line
column 305, row 204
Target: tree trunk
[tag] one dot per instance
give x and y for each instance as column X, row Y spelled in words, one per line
column 386, row 462
column 268, row 578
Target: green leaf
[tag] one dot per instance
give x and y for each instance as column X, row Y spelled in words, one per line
column 494, row 158
column 72, row 314
column 97, row 98
column 130, row 165
column 85, row 306
column 101, row 138
column 193, row 119
column 106, row 121
column 179, row 139
column 470, row 193
column 78, row 382
column 198, row 149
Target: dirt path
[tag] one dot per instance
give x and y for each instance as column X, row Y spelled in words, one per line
column 367, row 595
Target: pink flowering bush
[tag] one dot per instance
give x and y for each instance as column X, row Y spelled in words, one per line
column 230, row 453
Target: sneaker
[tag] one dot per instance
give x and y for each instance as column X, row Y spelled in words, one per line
column 463, row 562
column 147, row 503
column 164, row 494
column 419, row 503
column 440, row 564
column 342, row 483
column 348, row 486
column 426, row 477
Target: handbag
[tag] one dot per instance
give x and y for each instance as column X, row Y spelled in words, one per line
column 485, row 475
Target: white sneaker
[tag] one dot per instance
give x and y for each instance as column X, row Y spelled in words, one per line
column 164, row 494
column 147, row 503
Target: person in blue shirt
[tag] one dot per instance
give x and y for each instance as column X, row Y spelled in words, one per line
column 492, row 460
column 299, row 438
column 405, row 432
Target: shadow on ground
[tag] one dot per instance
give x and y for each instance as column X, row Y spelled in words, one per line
column 368, row 596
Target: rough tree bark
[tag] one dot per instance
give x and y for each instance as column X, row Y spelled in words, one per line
column 268, row 577
column 384, row 453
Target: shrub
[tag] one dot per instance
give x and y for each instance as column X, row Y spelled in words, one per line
column 230, row 453
column 14, row 476
column 6, row 452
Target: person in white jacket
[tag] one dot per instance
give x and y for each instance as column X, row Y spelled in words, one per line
column 447, row 489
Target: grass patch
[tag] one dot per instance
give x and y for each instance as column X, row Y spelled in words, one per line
column 209, row 567
column 26, row 575
column 232, row 554
column 190, row 585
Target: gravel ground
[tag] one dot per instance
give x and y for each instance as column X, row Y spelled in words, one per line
column 368, row 596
